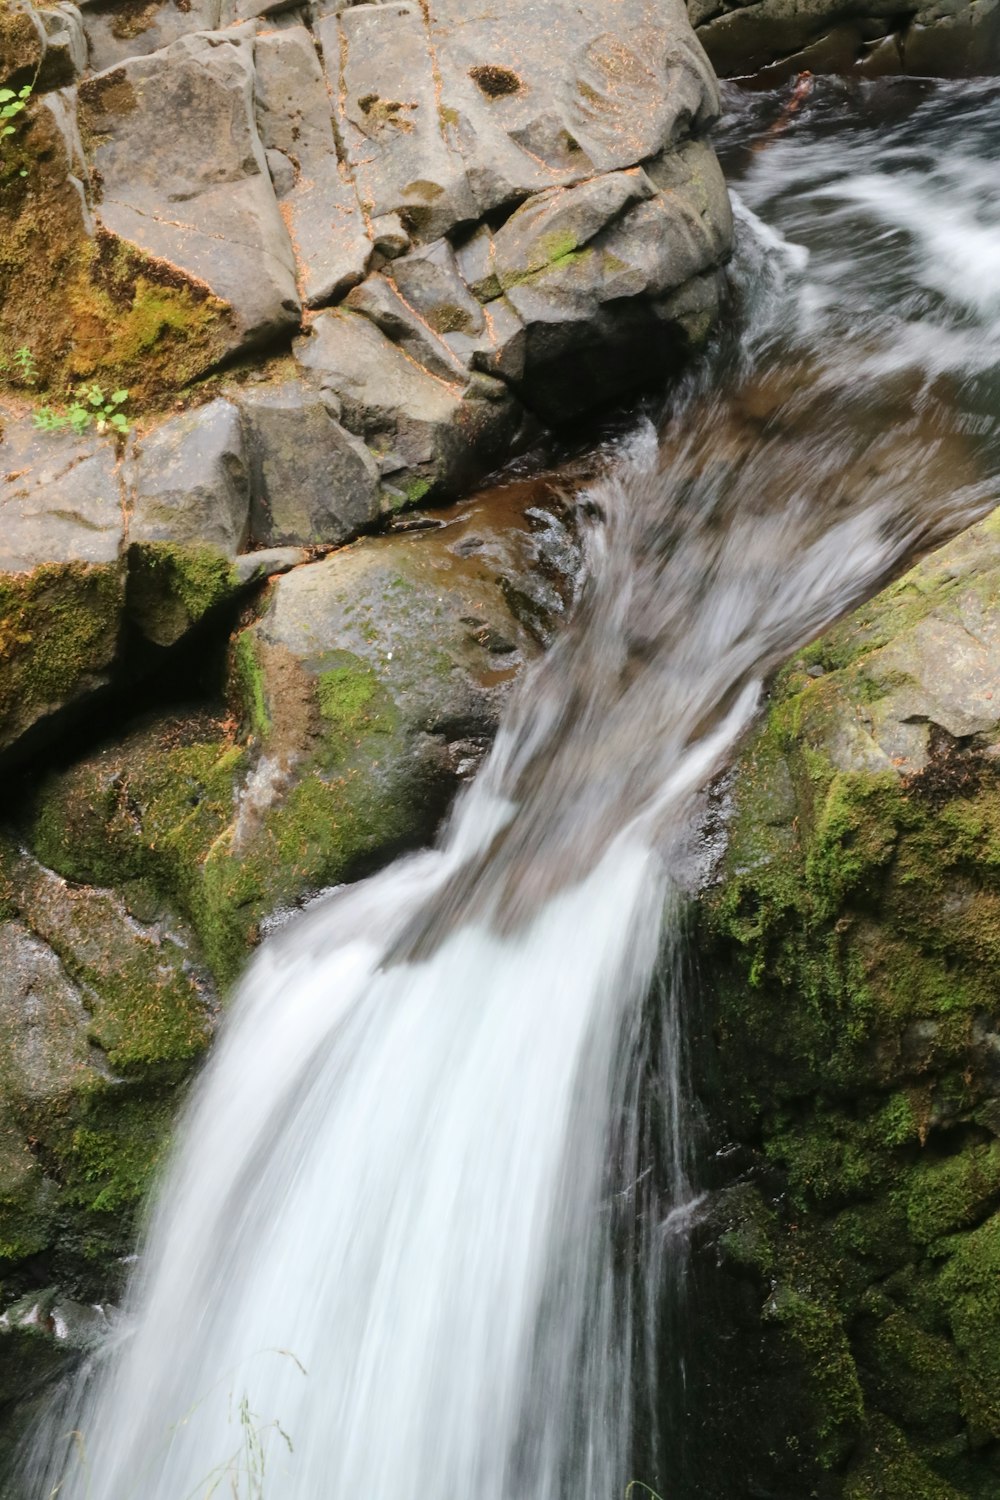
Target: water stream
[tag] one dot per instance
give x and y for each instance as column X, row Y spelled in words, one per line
column 399, row 1252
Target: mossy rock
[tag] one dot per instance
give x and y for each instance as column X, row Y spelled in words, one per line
column 59, row 633
column 852, row 944
column 88, row 305
column 103, row 1013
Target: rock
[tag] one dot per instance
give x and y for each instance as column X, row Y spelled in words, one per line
column 191, row 481
column 312, row 482
column 868, row 37
column 429, row 434
column 116, row 32
column 381, row 70
column 371, row 680
column 65, row 45
column 853, row 964
column 268, row 561
column 197, row 195
column 320, row 205
column 61, row 497
column 94, row 1004
column 62, row 583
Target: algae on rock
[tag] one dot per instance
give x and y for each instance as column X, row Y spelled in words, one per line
column 852, row 942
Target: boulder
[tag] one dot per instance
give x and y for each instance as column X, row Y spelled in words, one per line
column 196, row 194
column 116, row 32
column 370, row 682
column 430, row 434
column 311, row 480
column 850, row 943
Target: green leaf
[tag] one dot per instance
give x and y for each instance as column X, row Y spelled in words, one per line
column 118, row 397
column 119, row 422
column 6, row 94
column 25, row 93
column 95, row 396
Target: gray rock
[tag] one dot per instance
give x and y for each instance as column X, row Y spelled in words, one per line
column 379, row 298
column 381, row 72
column 44, row 1046
column 312, row 481
column 115, row 32
column 61, row 498
column 198, row 193
column 928, row 651
column 448, row 115
column 430, row 434
column 268, row 561
column 190, row 481
column 328, row 234
column 65, row 45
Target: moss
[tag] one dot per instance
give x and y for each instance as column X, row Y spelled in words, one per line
column 249, row 684
column 171, row 587
column 953, row 1194
column 112, row 1160
column 59, row 630
column 854, row 940
column 417, row 489
column 118, row 315
column 889, row 1470
column 969, row 1286
column 818, row 1333
column 20, row 47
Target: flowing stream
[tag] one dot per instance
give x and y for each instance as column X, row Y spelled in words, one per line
column 399, row 1253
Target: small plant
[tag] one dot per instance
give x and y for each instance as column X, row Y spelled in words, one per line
column 13, row 103
column 24, row 365
column 89, row 406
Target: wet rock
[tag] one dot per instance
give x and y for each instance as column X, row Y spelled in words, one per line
column 853, row 967
column 370, row 682
column 312, row 481
column 198, row 194
column 96, row 1007
column 872, row 38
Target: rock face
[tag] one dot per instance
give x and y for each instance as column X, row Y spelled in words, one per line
column 871, row 38
column 852, row 939
column 430, row 230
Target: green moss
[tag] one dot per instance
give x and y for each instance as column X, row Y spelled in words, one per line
column 854, row 939
column 888, row 1469
column 969, row 1286
column 417, row 489
column 249, row 684
column 818, row 1334
column 120, row 315
column 171, row 587
column 953, row 1194
column 112, row 1160
column 58, row 635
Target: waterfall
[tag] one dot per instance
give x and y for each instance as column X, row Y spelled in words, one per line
column 397, row 1252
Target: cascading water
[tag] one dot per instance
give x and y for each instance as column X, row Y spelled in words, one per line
column 399, row 1231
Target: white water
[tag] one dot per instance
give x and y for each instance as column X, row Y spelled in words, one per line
column 401, row 1227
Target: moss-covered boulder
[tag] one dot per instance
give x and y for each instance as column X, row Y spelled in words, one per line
column 104, row 1006
column 853, row 940
column 362, row 687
